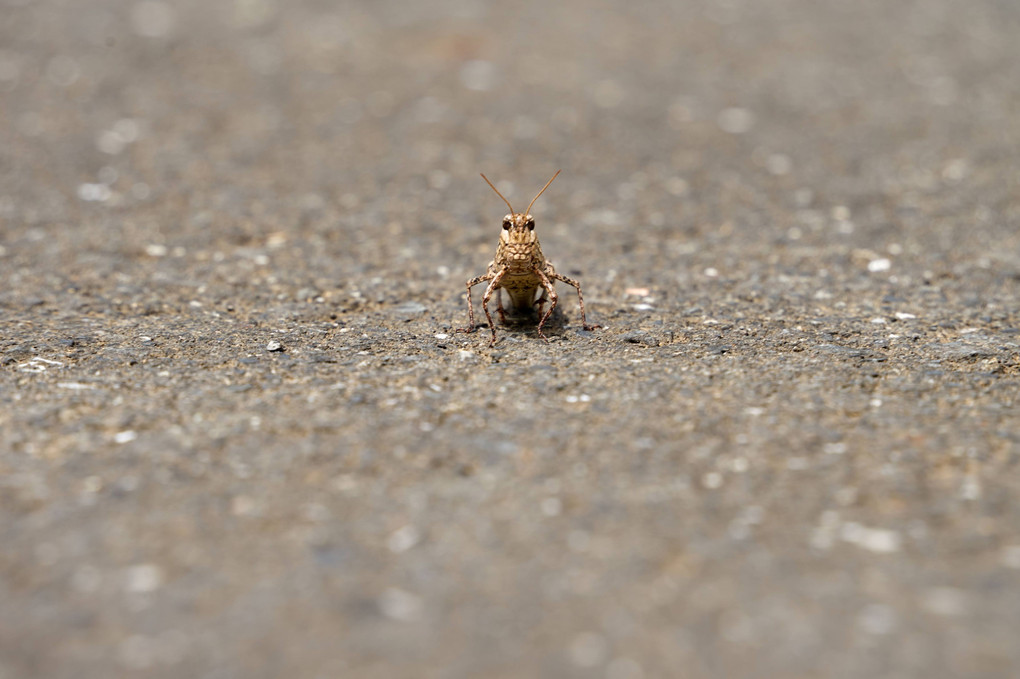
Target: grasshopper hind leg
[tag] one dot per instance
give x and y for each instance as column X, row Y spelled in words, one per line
column 551, row 273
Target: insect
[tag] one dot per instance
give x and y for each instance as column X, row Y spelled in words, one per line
column 522, row 270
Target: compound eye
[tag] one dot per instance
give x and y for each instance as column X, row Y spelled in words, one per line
column 506, row 224
column 530, row 224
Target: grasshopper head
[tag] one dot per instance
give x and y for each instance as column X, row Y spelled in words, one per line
column 519, row 227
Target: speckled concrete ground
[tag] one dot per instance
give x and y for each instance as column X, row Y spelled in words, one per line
column 239, row 437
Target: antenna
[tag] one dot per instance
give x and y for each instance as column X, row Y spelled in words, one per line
column 503, row 197
column 528, row 211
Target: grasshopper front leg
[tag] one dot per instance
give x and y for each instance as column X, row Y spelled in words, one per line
column 541, row 302
column 499, row 306
column 493, row 286
column 471, row 310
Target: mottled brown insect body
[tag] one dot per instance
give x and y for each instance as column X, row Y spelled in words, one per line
column 522, row 270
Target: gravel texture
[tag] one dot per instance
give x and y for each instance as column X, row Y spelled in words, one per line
column 240, row 437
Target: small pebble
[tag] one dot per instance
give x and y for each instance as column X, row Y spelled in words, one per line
column 639, row 337
column 778, row 164
column 552, row 506
column 125, row 436
column 400, row 605
column 77, row 386
column 242, row 505
column 712, row 480
column 876, row 540
column 410, row 308
column 142, row 578
column 96, row 193
column 735, row 120
column 955, row 351
column 274, row 346
column 403, row 539
column 945, row 601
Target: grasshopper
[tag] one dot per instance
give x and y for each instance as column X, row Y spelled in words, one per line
column 522, row 270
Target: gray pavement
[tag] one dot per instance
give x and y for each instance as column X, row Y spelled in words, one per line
column 239, row 436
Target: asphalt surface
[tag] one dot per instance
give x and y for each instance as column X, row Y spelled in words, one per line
column 239, row 436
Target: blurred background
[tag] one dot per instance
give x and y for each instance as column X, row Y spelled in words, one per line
column 364, row 125
column 239, row 232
